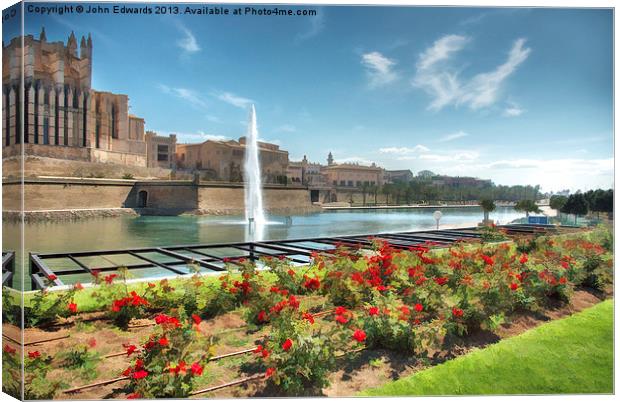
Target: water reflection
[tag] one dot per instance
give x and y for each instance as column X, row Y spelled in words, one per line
column 133, row 232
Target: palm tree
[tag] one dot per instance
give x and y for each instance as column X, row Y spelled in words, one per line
column 487, row 206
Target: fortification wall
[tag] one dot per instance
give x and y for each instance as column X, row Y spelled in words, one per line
column 155, row 197
column 35, row 166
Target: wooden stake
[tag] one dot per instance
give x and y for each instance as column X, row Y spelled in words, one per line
column 96, row 384
column 229, row 384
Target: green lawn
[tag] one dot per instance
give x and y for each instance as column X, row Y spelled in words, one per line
column 571, row 355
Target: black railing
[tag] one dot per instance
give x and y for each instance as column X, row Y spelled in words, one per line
column 176, row 260
column 8, row 268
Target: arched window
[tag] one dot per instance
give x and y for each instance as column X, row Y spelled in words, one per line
column 142, row 199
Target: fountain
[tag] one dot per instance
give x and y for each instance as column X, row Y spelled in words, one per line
column 254, row 213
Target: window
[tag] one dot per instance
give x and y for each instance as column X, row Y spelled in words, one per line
column 46, row 130
column 113, row 132
column 162, row 153
column 350, row 183
column 342, row 182
column 335, row 183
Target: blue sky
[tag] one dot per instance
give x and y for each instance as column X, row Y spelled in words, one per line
column 520, row 96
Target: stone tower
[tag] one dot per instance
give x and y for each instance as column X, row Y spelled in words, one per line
column 330, row 159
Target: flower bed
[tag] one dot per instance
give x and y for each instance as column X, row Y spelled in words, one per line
column 417, row 303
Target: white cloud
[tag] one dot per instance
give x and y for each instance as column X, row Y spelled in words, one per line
column 354, row 159
column 317, row 24
column 441, row 50
column 379, row 69
column 513, row 110
column 459, row 156
column 443, row 84
column 232, row 99
column 188, row 43
column 199, row 136
column 403, row 150
column 454, row 136
column 482, row 90
column 188, row 95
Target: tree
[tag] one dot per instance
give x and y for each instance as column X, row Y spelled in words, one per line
column 527, row 206
column 487, row 206
column 576, row 205
column 557, row 201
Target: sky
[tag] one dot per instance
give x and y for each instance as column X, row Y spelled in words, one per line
column 516, row 95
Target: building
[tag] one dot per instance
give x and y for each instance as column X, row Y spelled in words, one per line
column 306, row 173
column 160, row 150
column 353, row 175
column 402, row 176
column 223, row 160
column 63, row 116
column 334, row 174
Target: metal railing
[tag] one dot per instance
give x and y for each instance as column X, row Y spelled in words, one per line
column 176, row 260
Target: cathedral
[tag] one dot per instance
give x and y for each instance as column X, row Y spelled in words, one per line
column 63, row 116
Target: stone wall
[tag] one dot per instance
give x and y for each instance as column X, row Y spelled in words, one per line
column 66, row 194
column 43, row 166
column 230, row 200
column 162, row 197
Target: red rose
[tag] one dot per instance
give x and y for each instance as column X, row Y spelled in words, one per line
column 52, row 277
column 457, row 312
column 441, row 281
column 262, row 316
column 196, row 369
column 287, row 344
column 342, row 319
column 309, row 317
column 73, row 307
column 359, row 335
column 164, row 342
column 196, row 318
column 418, row 307
column 487, row 260
column 340, row 310
column 514, row 286
column 8, row 349
column 270, row 371
column 373, row 311
column 34, row 355
column 138, row 375
column 130, row 349
column 523, row 259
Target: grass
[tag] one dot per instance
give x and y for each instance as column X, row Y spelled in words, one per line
column 572, row 355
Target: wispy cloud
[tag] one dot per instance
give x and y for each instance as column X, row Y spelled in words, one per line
column 198, row 136
column 317, row 24
column 482, row 90
column 188, row 42
column 189, row 95
column 513, row 110
column 404, row 150
column 379, row 69
column 454, row 136
column 232, row 99
column 286, row 128
column 437, row 78
column 452, row 156
column 442, row 49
